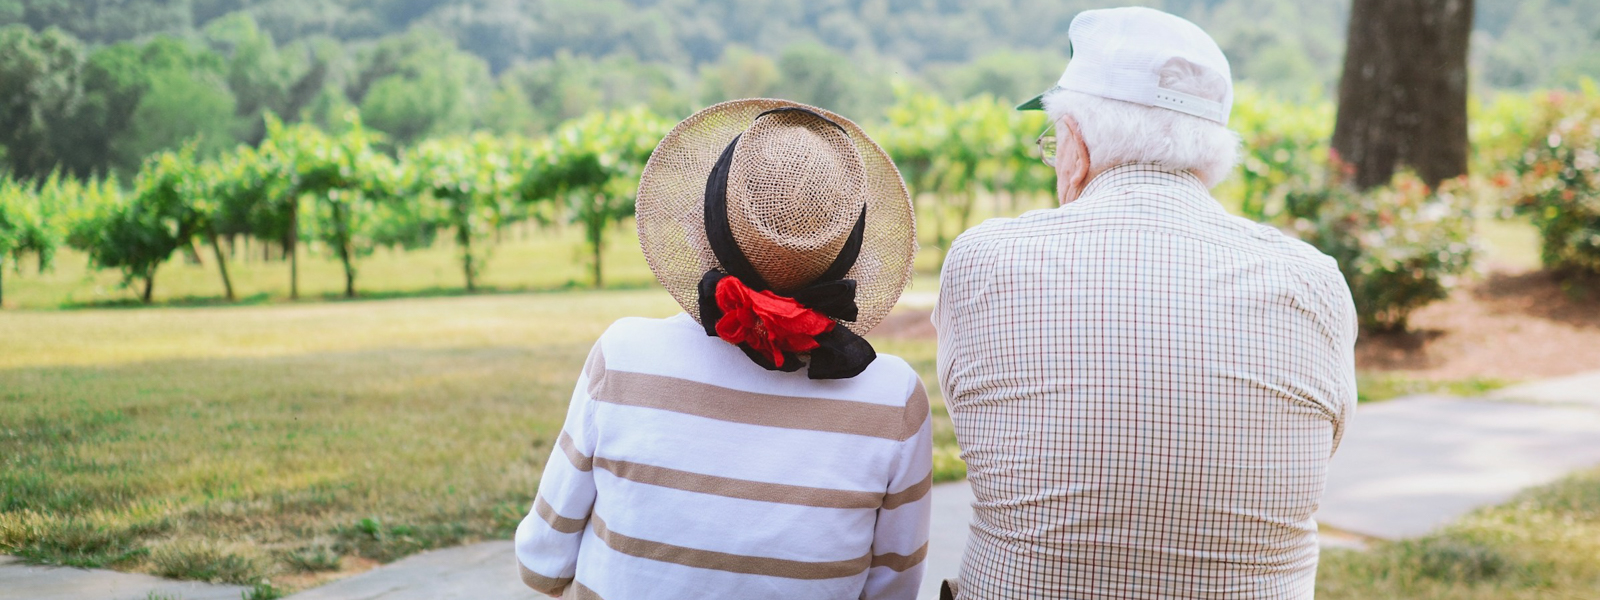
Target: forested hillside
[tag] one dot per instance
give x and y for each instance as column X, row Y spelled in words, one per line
column 96, row 85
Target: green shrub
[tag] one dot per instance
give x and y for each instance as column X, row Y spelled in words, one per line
column 1560, row 181
column 1283, row 144
column 1400, row 247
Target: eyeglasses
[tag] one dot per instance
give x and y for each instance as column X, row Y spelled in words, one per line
column 1047, row 145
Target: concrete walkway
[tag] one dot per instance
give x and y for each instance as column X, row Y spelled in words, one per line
column 484, row 571
column 1405, row 467
column 1408, row 466
column 1582, row 389
column 26, row 582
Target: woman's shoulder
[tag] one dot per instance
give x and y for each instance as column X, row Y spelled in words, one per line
column 679, row 348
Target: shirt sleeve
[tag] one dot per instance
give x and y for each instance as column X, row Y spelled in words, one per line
column 963, row 281
column 1327, row 298
column 548, row 539
column 900, row 542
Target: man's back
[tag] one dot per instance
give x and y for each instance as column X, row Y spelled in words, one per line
column 1147, row 392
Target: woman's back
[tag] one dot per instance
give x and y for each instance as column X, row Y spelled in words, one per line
column 684, row 470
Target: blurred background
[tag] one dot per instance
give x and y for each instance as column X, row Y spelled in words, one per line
column 292, row 288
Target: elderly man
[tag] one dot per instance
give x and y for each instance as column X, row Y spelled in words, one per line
column 1146, row 389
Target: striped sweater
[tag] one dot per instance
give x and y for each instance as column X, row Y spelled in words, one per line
column 684, row 470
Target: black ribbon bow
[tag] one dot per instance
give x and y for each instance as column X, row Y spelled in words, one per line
column 840, row 353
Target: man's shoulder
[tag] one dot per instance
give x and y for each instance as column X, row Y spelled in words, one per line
column 1031, row 223
column 1294, row 252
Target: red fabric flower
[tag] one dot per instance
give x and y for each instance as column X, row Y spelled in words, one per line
column 769, row 323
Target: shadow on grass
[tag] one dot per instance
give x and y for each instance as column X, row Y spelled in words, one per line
column 263, row 298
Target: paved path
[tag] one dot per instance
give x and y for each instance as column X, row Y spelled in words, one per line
column 484, row 571
column 26, row 582
column 1409, row 466
column 1405, row 467
column 1582, row 389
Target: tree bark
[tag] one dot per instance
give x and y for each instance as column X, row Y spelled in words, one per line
column 1403, row 94
column 597, row 235
column 149, row 286
column 292, row 248
column 464, row 237
column 222, row 266
column 598, row 243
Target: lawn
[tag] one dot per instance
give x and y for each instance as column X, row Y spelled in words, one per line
column 1545, row 544
column 281, row 441
column 295, row 442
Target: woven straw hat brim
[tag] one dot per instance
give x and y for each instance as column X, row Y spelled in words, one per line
column 671, row 209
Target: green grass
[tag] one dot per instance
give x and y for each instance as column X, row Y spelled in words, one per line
column 1376, row 386
column 254, row 444
column 1545, row 544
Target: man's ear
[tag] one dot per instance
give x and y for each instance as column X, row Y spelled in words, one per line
column 1080, row 175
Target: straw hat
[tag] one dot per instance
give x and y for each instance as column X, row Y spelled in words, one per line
column 799, row 182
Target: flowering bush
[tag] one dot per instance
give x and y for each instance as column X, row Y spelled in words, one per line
column 1400, row 247
column 1282, row 143
column 1559, row 176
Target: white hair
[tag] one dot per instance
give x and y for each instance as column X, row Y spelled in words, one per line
column 1119, row 133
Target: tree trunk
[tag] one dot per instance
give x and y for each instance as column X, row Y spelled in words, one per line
column 1403, row 94
column 597, row 233
column 191, row 254
column 349, row 269
column 349, row 278
column 599, row 281
column 222, row 266
column 292, row 248
column 149, row 286
column 464, row 238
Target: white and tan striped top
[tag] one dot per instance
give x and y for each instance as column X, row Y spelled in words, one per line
column 684, row 470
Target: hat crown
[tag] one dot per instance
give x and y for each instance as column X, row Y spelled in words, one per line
column 796, row 186
column 1118, row 53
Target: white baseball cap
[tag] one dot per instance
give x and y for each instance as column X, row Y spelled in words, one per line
column 1118, row 53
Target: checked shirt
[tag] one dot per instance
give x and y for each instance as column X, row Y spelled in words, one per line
column 1147, row 391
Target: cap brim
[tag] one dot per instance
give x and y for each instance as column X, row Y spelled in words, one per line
column 1037, row 103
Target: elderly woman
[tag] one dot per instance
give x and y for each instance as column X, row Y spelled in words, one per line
column 1146, row 389
column 755, row 446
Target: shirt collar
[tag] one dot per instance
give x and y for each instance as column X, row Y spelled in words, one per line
column 1141, row 174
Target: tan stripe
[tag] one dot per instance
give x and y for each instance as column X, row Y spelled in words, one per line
column 581, row 592
column 739, row 488
column 732, row 563
column 916, row 411
column 595, row 369
column 788, row 412
column 583, row 463
column 911, row 494
column 901, row 562
column 556, row 521
column 546, row 585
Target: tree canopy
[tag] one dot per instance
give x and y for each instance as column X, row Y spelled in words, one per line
column 92, row 87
